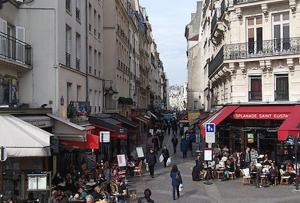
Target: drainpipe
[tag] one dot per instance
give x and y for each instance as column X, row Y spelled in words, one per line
column 86, row 51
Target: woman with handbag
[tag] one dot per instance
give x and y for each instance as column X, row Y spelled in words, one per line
column 176, row 180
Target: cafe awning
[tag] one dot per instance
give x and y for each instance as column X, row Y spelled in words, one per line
column 218, row 117
column 104, row 122
column 92, row 142
column 291, row 125
column 23, row 139
column 66, row 130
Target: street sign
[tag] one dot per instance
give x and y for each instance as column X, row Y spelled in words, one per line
column 3, row 154
column 210, row 133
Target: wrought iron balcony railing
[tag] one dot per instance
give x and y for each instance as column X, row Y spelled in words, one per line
column 266, row 48
column 216, row 62
column 255, row 95
column 14, row 49
column 281, row 95
column 244, row 1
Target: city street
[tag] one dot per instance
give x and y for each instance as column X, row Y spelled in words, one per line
column 228, row 191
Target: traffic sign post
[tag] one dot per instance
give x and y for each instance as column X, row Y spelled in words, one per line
column 210, row 133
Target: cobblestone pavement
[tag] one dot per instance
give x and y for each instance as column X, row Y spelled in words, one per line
column 219, row 192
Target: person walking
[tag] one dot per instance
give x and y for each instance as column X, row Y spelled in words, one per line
column 161, row 138
column 175, row 143
column 184, row 147
column 166, row 155
column 147, row 197
column 176, row 180
column 151, row 160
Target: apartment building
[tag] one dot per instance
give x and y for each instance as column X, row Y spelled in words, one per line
column 255, row 52
column 195, row 93
column 59, row 59
column 250, row 61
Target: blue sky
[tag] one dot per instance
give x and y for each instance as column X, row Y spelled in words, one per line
column 168, row 19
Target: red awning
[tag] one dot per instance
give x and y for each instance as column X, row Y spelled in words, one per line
column 218, row 117
column 291, row 126
column 92, row 142
column 263, row 112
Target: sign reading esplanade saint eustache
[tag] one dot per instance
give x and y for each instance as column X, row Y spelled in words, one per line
column 261, row 116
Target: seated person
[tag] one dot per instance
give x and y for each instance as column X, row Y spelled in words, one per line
column 272, row 174
column 291, row 172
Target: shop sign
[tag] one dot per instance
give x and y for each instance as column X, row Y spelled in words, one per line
column 104, row 136
column 260, row 116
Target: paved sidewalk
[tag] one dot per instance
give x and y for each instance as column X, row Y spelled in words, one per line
column 219, row 192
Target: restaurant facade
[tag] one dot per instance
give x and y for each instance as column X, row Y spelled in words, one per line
column 265, row 127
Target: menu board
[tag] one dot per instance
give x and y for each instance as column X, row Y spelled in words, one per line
column 32, row 182
column 42, row 183
column 140, row 152
column 121, row 160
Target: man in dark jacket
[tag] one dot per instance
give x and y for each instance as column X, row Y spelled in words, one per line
column 166, row 155
column 151, row 160
column 175, row 143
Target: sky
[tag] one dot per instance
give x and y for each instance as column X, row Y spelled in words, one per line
column 168, row 19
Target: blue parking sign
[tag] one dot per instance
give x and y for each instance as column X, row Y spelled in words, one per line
column 210, row 132
column 210, row 127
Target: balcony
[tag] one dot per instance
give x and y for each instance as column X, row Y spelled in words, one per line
column 255, row 96
column 244, row 1
column 14, row 50
column 281, row 95
column 216, row 62
column 266, row 48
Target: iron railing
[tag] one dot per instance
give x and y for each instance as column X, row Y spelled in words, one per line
column 255, row 95
column 216, row 62
column 14, row 49
column 265, row 48
column 244, row 1
column 281, row 95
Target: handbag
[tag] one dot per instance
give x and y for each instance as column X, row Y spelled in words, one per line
column 180, row 187
column 161, row 158
column 169, row 161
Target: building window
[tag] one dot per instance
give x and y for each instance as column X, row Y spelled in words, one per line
column 281, row 31
column 281, row 87
column 69, row 91
column 68, row 6
column 78, row 7
column 99, row 27
column 95, row 23
column 68, row 45
column 99, row 60
column 90, row 17
column 78, row 93
column 78, row 50
column 95, row 60
column 255, row 93
column 255, row 34
column 8, row 91
column 90, row 59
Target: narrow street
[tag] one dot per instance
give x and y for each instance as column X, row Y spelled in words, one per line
column 197, row 192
